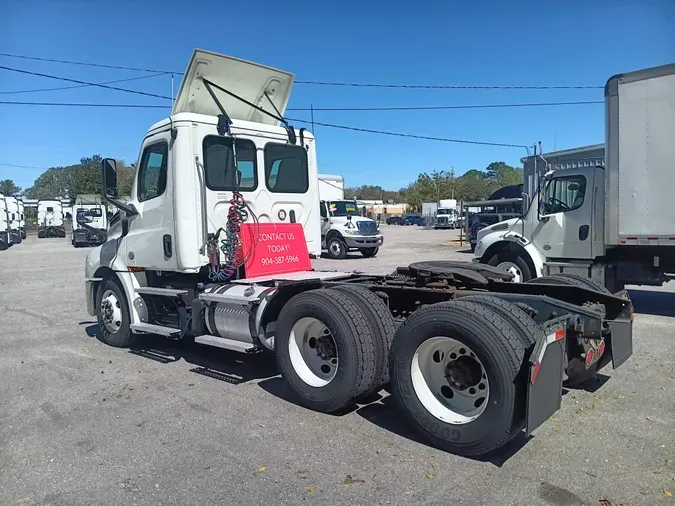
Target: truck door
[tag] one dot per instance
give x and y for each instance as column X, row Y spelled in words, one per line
column 150, row 241
column 325, row 220
column 565, row 216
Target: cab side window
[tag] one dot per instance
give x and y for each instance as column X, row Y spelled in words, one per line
column 322, row 206
column 564, row 194
column 152, row 172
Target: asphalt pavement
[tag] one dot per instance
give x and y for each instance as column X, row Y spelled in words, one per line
column 82, row 423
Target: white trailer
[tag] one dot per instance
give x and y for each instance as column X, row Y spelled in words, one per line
column 612, row 224
column 468, row 368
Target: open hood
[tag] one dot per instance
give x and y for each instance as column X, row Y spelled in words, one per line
column 245, row 79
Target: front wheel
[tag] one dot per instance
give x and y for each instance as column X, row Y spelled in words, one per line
column 513, row 263
column 337, row 249
column 113, row 315
column 369, row 252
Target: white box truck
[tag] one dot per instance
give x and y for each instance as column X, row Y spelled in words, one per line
column 472, row 363
column 343, row 229
column 446, row 214
column 611, row 224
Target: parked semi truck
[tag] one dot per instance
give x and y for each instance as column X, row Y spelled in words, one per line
column 472, row 358
column 95, row 231
column 446, row 214
column 22, row 219
column 343, row 229
column 5, row 235
column 14, row 219
column 612, row 224
column 50, row 219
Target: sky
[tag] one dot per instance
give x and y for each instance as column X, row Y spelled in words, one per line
column 485, row 43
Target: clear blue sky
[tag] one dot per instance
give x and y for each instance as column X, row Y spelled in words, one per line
column 434, row 42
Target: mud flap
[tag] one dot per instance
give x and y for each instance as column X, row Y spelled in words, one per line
column 621, row 338
column 546, row 369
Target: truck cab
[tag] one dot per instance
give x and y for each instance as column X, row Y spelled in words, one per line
column 50, row 219
column 96, row 217
column 343, row 229
column 14, row 219
column 22, row 219
column 5, row 236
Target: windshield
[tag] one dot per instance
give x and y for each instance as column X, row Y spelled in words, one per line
column 446, row 211
column 343, row 208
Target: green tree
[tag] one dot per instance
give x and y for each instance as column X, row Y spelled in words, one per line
column 9, row 188
column 503, row 174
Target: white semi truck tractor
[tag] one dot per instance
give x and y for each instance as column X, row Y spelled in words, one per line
column 472, row 359
column 94, row 231
column 5, row 234
column 613, row 224
column 50, row 219
column 14, row 211
column 22, row 219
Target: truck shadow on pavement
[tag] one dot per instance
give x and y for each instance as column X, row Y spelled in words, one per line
column 223, row 365
column 653, row 302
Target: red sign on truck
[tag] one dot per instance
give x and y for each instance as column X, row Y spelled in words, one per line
column 274, row 248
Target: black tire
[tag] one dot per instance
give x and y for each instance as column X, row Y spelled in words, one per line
column 369, row 252
column 382, row 328
column 353, row 340
column 577, row 373
column 41, row 234
column 337, row 248
column 515, row 258
column 497, row 346
column 526, row 330
column 123, row 337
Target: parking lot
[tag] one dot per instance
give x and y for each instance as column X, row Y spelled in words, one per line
column 82, row 423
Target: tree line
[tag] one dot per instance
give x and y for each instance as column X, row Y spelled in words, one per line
column 78, row 179
column 431, row 187
column 85, row 178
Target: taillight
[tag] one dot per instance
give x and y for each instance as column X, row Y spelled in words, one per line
column 589, row 357
column 601, row 348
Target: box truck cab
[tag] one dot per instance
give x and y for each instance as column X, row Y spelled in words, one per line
column 5, row 236
column 612, row 224
column 446, row 214
column 14, row 219
column 50, row 219
column 342, row 226
column 96, row 216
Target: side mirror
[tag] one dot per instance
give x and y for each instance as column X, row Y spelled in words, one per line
column 108, row 178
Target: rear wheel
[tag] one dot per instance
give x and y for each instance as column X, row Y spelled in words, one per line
column 369, row 252
column 324, row 350
column 513, row 263
column 455, row 371
column 113, row 315
column 382, row 327
column 577, row 372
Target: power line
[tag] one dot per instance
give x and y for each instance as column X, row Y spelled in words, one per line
column 116, row 88
column 446, row 107
column 86, row 64
column 448, row 86
column 81, row 85
column 77, row 104
column 23, row 166
column 328, row 83
column 411, row 136
column 328, row 109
